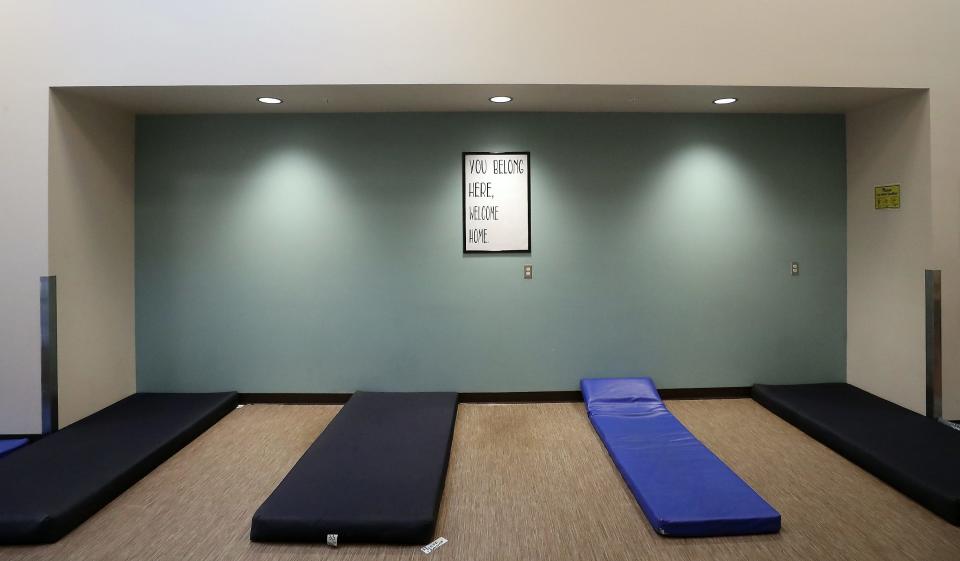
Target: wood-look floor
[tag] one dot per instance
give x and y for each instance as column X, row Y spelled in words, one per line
column 525, row 482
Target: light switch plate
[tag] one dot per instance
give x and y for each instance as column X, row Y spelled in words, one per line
column 527, row 272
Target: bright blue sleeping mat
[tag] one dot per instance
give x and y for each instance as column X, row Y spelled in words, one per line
column 683, row 489
column 9, row 445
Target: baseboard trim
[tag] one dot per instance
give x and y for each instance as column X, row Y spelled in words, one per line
column 295, row 398
column 30, row 437
column 732, row 392
column 564, row 396
column 571, row 396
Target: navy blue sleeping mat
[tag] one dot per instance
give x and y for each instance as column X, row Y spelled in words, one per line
column 918, row 456
column 375, row 474
column 683, row 489
column 51, row 486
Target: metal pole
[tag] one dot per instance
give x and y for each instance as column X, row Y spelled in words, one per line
column 48, row 354
column 934, row 345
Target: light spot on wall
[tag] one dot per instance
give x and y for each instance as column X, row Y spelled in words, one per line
column 702, row 179
column 702, row 194
column 704, row 212
column 285, row 189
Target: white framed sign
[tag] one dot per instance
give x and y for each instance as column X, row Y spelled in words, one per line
column 496, row 202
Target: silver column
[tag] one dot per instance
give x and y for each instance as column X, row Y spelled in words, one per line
column 48, row 354
column 934, row 345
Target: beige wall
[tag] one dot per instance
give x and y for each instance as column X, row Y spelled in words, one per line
column 945, row 225
column 874, row 43
column 887, row 250
column 91, row 253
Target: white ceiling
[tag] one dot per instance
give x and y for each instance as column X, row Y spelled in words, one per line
column 459, row 97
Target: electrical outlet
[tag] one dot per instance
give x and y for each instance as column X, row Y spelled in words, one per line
column 794, row 269
column 527, row 272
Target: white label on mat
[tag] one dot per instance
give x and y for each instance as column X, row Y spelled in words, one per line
column 332, row 540
column 433, row 545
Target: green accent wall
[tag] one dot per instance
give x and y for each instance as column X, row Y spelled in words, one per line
column 323, row 253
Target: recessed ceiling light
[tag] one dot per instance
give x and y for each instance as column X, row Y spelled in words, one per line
column 501, row 99
column 270, row 100
column 725, row 100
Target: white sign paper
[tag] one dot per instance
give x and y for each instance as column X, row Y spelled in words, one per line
column 496, row 202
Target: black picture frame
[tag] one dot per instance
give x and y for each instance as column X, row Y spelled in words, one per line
column 463, row 209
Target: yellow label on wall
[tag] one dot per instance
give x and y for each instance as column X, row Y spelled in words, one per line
column 886, row 196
